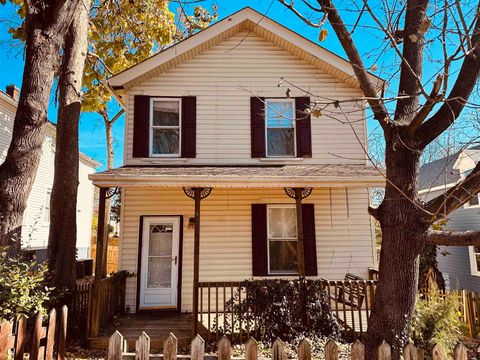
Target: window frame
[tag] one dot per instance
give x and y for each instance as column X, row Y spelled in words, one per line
column 294, row 122
column 283, row 272
column 468, row 206
column 473, row 261
column 151, row 127
column 48, row 196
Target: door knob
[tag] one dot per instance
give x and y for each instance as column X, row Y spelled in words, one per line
column 175, row 259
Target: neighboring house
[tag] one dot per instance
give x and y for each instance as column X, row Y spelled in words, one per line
column 36, row 219
column 208, row 112
column 460, row 265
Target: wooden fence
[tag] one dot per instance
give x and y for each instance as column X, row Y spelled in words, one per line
column 44, row 342
column 350, row 301
column 117, row 350
column 111, row 302
column 112, row 256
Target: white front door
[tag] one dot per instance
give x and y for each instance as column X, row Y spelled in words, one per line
column 160, row 259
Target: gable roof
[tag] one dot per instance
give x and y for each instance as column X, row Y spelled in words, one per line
column 245, row 19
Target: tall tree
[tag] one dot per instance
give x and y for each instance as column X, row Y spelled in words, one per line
column 417, row 118
column 63, row 202
column 46, row 23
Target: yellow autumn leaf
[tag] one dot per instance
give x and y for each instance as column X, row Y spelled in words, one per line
column 374, row 67
column 323, row 34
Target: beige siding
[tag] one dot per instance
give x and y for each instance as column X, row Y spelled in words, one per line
column 344, row 239
column 7, row 114
column 224, row 78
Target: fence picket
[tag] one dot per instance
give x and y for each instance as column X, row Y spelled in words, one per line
column 357, row 351
column 5, row 333
column 410, row 352
column 170, row 347
column 460, row 352
column 384, row 351
column 251, row 349
column 331, row 350
column 437, row 353
column 224, row 348
column 37, row 335
column 50, row 335
column 142, row 347
column 198, row 348
column 20, row 334
column 116, row 346
column 305, row 350
column 63, row 333
column 278, row 350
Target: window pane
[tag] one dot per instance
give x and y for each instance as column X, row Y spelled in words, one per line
column 166, row 141
column 46, row 207
column 160, row 240
column 476, row 249
column 477, row 258
column 159, row 272
column 280, row 142
column 473, row 201
column 283, row 256
column 166, row 113
column 279, row 114
column 282, row 223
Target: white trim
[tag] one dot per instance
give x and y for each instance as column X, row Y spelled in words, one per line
column 147, row 221
column 294, row 123
column 278, row 206
column 228, row 23
column 48, row 191
column 435, row 188
column 473, row 263
column 151, row 126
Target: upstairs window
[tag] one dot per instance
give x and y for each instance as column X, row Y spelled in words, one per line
column 46, row 207
column 280, row 127
column 282, row 239
column 475, row 260
column 473, row 202
column 165, row 127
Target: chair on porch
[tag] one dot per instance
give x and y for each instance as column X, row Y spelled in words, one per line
column 352, row 293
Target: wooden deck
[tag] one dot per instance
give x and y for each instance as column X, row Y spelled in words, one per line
column 157, row 325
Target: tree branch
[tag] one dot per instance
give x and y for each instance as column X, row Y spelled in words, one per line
column 454, row 197
column 377, row 105
column 463, row 87
column 453, row 238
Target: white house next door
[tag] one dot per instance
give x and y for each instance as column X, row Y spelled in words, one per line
column 160, row 259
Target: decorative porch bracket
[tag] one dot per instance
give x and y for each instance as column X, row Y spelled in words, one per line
column 100, row 256
column 299, row 194
column 197, row 194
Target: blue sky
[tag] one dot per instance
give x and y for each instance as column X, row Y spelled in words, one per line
column 92, row 135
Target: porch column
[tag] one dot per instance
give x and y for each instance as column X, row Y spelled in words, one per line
column 299, row 194
column 197, row 194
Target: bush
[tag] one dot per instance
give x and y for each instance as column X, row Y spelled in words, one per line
column 287, row 309
column 22, row 287
column 437, row 320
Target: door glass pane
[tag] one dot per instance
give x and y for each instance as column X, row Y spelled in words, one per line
column 159, row 272
column 166, row 113
column 161, row 237
column 283, row 256
column 282, row 223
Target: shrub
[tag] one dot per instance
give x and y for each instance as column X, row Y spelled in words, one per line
column 287, row 309
column 437, row 320
column 22, row 287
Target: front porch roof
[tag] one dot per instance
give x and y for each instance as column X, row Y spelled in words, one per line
column 269, row 176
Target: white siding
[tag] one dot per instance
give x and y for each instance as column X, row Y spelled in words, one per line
column 344, row 238
column 35, row 229
column 224, row 77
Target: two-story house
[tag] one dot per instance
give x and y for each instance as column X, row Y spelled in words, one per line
column 36, row 219
column 224, row 159
column 460, row 265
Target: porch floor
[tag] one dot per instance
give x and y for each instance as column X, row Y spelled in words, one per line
column 157, row 325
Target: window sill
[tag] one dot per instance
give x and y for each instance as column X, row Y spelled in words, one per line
column 293, row 159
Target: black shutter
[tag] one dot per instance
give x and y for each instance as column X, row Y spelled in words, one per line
column 189, row 127
column 309, row 240
column 259, row 240
column 303, row 127
column 257, row 127
column 141, row 125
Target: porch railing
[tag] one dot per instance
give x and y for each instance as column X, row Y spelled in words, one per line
column 111, row 300
column 350, row 302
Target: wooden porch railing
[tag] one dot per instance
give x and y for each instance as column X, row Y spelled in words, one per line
column 350, row 302
column 111, row 302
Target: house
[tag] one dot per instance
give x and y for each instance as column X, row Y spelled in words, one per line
column 36, row 219
column 460, row 265
column 223, row 158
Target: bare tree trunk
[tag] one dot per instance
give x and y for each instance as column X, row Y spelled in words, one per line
column 63, row 214
column 46, row 24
